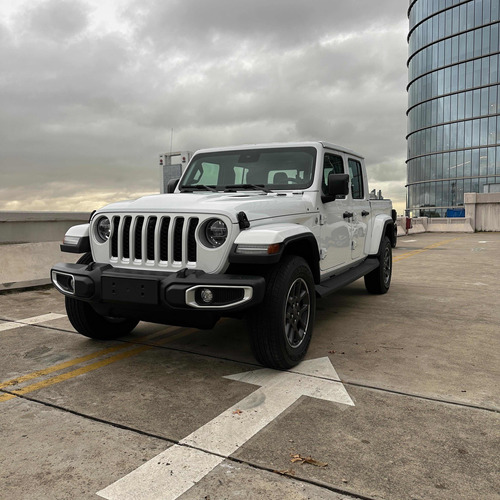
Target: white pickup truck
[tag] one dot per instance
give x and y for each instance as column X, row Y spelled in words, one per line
column 256, row 232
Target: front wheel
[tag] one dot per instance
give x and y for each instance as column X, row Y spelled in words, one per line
column 91, row 324
column 379, row 280
column 281, row 327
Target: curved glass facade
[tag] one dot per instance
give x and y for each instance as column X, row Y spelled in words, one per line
column 453, row 102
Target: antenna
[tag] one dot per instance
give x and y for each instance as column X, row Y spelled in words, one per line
column 171, row 139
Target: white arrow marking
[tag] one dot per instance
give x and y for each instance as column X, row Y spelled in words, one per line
column 173, row 472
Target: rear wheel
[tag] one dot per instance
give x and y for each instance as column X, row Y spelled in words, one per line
column 281, row 327
column 379, row 280
column 91, row 324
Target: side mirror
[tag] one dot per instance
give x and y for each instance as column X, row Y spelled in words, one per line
column 171, row 185
column 338, row 185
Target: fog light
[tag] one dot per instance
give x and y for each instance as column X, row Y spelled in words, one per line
column 207, row 296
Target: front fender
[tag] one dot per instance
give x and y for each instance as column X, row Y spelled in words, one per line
column 266, row 244
column 76, row 239
column 271, row 234
column 379, row 229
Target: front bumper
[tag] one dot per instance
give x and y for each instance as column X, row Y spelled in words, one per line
column 111, row 289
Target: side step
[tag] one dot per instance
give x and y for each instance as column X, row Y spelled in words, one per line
column 336, row 282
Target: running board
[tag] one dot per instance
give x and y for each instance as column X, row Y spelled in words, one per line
column 336, row 282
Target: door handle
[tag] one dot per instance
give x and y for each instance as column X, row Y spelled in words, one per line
column 348, row 215
column 364, row 213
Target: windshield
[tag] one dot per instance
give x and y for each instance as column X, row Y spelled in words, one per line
column 256, row 169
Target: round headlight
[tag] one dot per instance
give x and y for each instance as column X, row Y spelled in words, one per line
column 103, row 229
column 216, row 232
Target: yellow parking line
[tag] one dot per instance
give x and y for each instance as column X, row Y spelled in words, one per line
column 93, row 366
column 420, row 250
column 72, row 374
column 76, row 361
column 61, row 366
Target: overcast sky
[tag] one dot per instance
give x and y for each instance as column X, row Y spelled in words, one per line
column 90, row 90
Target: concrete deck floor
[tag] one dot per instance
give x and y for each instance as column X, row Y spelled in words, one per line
column 421, row 364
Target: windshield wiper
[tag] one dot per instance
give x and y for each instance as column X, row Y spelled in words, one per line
column 197, row 187
column 257, row 187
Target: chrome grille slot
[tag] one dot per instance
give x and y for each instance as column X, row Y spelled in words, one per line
column 114, row 236
column 150, row 238
column 165, row 223
column 138, row 238
column 191, row 242
column 127, row 221
column 179, row 224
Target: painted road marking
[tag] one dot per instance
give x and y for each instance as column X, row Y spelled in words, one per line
column 430, row 247
column 76, row 361
column 88, row 368
column 10, row 325
column 60, row 366
column 173, row 472
column 72, row 374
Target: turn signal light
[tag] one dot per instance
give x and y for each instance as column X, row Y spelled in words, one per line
column 272, row 249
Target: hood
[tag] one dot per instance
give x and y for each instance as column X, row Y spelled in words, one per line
column 256, row 205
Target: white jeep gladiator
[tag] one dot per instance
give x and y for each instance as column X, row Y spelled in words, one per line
column 256, row 232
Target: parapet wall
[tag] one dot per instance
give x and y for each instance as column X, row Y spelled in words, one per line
column 435, row 225
column 36, row 227
column 482, row 213
column 484, row 210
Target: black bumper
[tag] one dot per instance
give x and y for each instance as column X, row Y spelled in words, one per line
column 123, row 292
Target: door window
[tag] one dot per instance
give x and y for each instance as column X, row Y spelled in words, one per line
column 356, row 175
column 332, row 164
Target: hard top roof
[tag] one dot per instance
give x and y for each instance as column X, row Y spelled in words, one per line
column 324, row 144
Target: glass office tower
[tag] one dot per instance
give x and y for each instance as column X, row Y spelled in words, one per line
column 453, row 103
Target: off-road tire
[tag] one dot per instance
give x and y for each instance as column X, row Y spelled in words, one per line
column 394, row 242
column 90, row 324
column 282, row 326
column 379, row 280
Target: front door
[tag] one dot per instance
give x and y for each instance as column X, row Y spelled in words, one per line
column 335, row 247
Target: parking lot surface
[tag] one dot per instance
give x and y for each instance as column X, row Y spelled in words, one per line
column 399, row 396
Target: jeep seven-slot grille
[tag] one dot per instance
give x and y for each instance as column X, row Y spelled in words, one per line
column 160, row 239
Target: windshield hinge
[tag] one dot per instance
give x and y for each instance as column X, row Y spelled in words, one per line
column 322, row 219
column 243, row 220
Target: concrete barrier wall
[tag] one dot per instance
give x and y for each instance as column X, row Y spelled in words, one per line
column 449, row 225
column 435, row 225
column 28, row 264
column 484, row 210
column 36, row 227
column 29, row 246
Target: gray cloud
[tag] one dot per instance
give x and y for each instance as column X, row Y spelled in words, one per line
column 56, row 20
column 281, row 23
column 93, row 110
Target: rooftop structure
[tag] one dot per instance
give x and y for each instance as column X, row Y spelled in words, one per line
column 453, row 103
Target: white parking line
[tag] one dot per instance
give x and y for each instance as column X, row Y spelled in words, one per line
column 10, row 325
